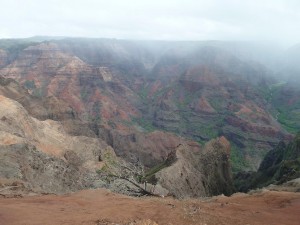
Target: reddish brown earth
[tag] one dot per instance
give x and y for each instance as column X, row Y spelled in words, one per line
column 103, row 207
column 198, row 94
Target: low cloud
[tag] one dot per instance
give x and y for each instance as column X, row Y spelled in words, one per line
column 276, row 20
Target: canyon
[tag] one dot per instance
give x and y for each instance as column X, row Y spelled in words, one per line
column 196, row 90
column 183, row 120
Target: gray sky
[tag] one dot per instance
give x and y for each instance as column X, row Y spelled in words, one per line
column 275, row 20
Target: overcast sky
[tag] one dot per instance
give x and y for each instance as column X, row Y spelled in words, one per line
column 275, row 20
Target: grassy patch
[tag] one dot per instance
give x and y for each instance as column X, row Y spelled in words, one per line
column 143, row 93
column 237, row 159
column 144, row 123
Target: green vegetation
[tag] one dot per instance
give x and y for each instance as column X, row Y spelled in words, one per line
column 84, row 95
column 269, row 92
column 156, row 169
column 15, row 46
column 29, row 84
column 217, row 103
column 237, row 159
column 150, row 174
column 144, row 123
column 97, row 112
column 38, row 92
column 143, row 93
column 287, row 113
column 289, row 120
column 209, row 131
column 188, row 98
column 278, row 166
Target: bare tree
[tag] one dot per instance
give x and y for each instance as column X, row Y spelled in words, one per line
column 132, row 177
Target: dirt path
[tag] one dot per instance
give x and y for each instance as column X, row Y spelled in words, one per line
column 101, row 207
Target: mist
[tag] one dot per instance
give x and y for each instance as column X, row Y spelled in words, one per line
column 194, row 20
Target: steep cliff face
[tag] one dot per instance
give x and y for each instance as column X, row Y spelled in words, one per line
column 197, row 174
column 150, row 148
column 280, row 165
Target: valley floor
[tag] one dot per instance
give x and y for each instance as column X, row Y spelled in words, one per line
column 101, row 207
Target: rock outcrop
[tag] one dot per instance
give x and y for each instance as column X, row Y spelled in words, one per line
column 150, row 148
column 200, row 174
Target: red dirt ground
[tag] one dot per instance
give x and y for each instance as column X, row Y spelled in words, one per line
column 101, row 207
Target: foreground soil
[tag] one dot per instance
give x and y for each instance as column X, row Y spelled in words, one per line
column 101, row 207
